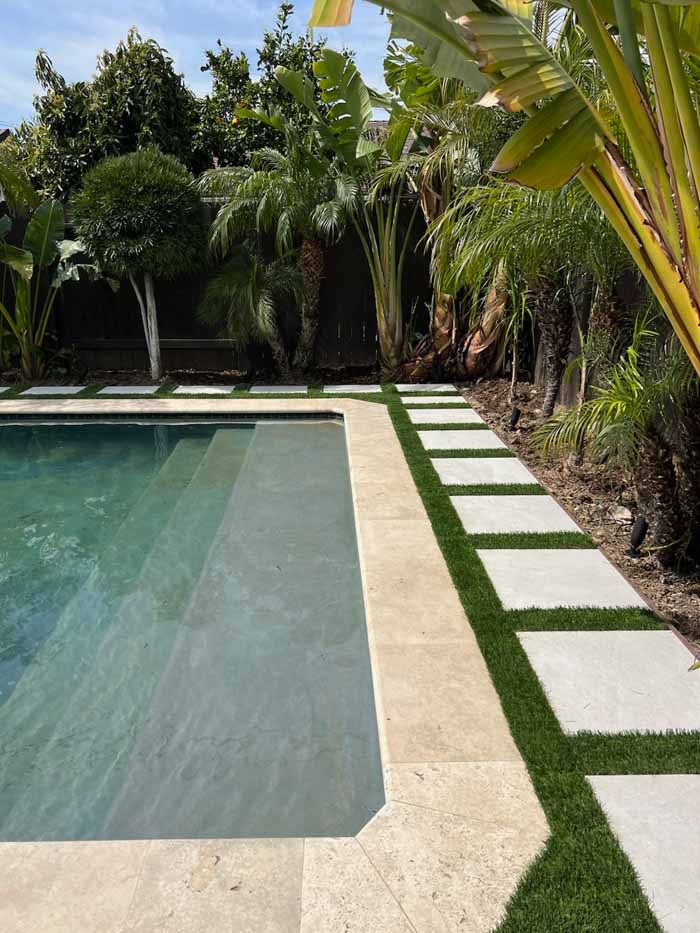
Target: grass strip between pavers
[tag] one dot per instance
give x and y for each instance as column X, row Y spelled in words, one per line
column 582, row 881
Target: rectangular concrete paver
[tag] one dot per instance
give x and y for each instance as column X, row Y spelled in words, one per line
column 203, row 390
column 53, row 390
column 460, row 440
column 411, row 401
column 279, row 390
column 477, row 471
column 616, row 681
column 352, row 390
column 552, row 579
column 655, row 818
column 511, row 514
column 445, row 416
column 409, row 387
column 129, row 390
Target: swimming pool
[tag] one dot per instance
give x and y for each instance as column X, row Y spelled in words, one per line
column 183, row 649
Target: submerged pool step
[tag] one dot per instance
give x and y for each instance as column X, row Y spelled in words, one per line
column 112, row 695
column 42, row 692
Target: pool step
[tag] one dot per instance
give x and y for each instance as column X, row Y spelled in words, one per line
column 113, row 695
column 68, row 652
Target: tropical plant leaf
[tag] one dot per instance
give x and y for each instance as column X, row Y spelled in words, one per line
column 20, row 261
column 344, row 90
column 5, row 226
column 684, row 14
column 44, row 232
column 331, row 13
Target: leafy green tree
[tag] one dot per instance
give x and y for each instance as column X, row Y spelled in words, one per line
column 243, row 296
column 136, row 99
column 223, row 134
column 140, row 217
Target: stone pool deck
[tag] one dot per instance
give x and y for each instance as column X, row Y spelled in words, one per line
column 461, row 821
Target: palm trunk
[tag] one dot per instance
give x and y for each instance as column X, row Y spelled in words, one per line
column 149, row 319
column 655, row 482
column 686, row 445
column 312, row 264
column 279, row 352
column 555, row 319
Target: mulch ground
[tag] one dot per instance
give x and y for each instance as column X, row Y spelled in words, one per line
column 598, row 497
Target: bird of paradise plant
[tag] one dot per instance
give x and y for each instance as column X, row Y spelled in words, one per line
column 651, row 196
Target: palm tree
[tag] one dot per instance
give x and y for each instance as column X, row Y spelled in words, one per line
column 641, row 418
column 548, row 241
column 296, row 196
column 242, row 297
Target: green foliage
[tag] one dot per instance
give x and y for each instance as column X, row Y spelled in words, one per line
column 651, row 381
column 292, row 194
column 140, row 213
column 44, row 253
column 135, row 100
column 223, row 134
column 241, row 299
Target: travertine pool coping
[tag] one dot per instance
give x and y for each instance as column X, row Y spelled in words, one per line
column 461, row 821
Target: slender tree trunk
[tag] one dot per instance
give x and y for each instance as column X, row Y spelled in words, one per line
column 312, row 265
column 279, row 351
column 477, row 357
column 657, row 498
column 149, row 319
column 555, row 319
column 686, row 444
column 443, row 329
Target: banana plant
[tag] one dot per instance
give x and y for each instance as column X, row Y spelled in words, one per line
column 652, row 198
column 44, row 251
column 378, row 215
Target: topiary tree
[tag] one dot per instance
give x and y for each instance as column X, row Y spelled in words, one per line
column 140, row 217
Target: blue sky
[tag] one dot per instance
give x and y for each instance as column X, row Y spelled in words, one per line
column 75, row 33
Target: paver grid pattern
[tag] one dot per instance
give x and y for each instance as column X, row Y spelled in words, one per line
column 606, row 682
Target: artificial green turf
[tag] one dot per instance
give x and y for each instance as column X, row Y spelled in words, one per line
column 582, row 881
column 553, row 539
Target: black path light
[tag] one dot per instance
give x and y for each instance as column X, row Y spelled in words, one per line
column 639, row 533
column 514, row 418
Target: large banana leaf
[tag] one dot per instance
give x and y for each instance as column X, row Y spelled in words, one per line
column 44, row 232
column 685, row 17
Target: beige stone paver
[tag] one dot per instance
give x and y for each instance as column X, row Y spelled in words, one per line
column 200, row 886
column 343, row 891
column 68, row 887
column 440, row 705
column 448, row 873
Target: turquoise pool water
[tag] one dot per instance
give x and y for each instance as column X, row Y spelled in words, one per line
column 183, row 649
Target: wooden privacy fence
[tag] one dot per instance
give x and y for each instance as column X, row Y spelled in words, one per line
column 105, row 327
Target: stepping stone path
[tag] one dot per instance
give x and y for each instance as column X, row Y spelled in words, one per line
column 608, row 681
column 445, row 416
column 411, row 401
column 129, row 390
column 511, row 514
column 556, row 579
column 203, row 390
column 655, row 818
column 352, row 390
column 616, row 681
column 279, row 390
column 483, row 471
column 460, row 440
column 426, row 387
column 53, row 390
